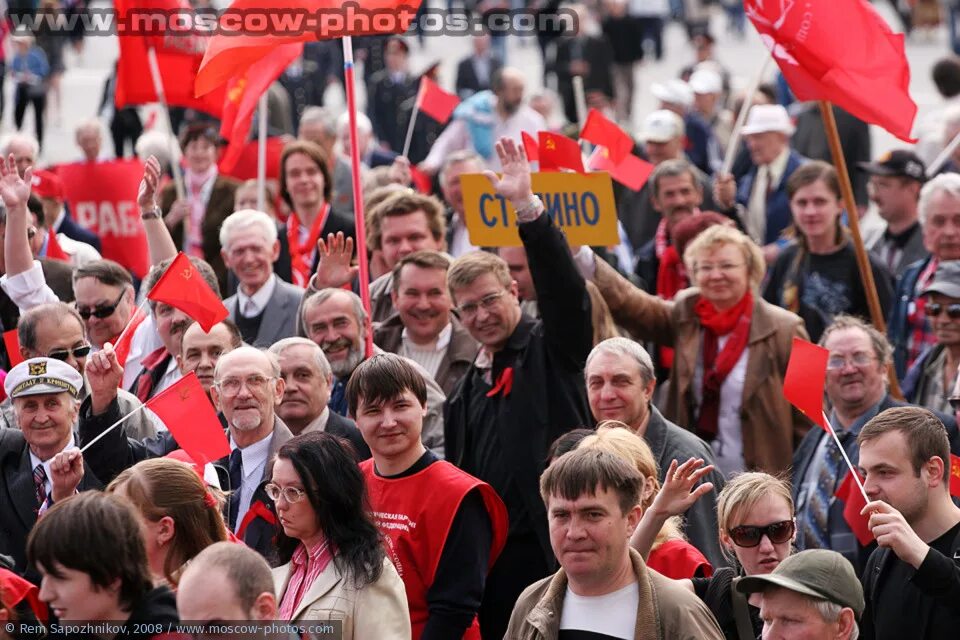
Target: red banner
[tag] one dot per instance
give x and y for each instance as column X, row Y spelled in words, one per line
column 103, row 198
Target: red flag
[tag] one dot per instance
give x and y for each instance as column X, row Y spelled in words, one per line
column 559, row 152
column 188, row 414
column 178, row 57
column 632, row 172
column 601, row 131
column 849, row 493
column 11, row 340
column 245, row 167
column 232, row 50
column 435, row 102
column 243, row 94
column 183, row 287
column 15, row 590
column 954, row 475
column 530, row 146
column 843, row 52
column 122, row 347
column 805, row 379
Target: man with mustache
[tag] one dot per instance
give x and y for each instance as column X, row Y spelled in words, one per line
column 856, row 387
column 334, row 319
column 200, row 350
column 160, row 368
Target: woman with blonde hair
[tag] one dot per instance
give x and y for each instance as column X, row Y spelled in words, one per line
column 180, row 515
column 669, row 553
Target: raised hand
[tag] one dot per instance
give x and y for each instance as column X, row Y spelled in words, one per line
column 13, row 189
column 514, row 183
column 399, row 172
column 103, row 373
column 333, row 267
column 66, row 472
column 678, row 492
column 147, row 195
column 725, row 190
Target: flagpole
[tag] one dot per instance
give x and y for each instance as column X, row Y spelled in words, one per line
column 130, row 322
column 112, row 427
column 580, row 104
column 413, row 120
column 843, row 452
column 941, row 159
column 175, row 151
column 361, row 231
column 262, row 152
column 742, row 117
column 863, row 262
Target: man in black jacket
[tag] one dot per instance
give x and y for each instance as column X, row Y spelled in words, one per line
column 525, row 387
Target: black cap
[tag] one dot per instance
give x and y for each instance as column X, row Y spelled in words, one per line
column 901, row 162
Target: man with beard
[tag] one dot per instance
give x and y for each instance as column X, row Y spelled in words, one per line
column 160, row 368
column 856, row 387
column 334, row 319
column 307, row 380
column 200, row 350
column 484, row 118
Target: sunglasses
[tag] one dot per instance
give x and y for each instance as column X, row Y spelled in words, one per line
column 933, row 309
column 77, row 352
column 100, row 311
column 747, row 536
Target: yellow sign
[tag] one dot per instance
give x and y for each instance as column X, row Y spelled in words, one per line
column 580, row 204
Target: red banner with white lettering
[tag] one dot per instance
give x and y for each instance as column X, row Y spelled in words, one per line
column 103, row 198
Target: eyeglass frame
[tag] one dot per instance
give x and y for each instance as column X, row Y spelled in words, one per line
column 852, row 360
column 934, row 309
column 763, row 531
column 270, row 487
column 487, row 302
column 722, row 268
column 243, row 382
column 72, row 351
column 102, row 312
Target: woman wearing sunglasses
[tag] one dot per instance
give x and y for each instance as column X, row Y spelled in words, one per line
column 335, row 565
column 755, row 518
column 930, row 380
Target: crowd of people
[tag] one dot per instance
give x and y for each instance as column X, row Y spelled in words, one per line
column 542, row 441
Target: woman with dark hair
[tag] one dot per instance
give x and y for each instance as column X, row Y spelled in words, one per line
column 817, row 277
column 335, row 566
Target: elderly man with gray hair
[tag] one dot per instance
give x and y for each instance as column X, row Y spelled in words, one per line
column 620, row 382
column 264, row 306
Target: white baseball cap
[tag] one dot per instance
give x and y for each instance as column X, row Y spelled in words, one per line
column 706, row 81
column 661, row 126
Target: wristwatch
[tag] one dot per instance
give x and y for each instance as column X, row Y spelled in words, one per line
column 151, row 214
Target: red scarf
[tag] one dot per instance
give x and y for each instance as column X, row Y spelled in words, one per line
column 671, row 278
column 299, row 253
column 717, row 365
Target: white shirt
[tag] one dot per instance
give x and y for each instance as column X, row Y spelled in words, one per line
column 460, row 237
column 456, row 136
column 427, row 357
column 259, row 300
column 145, row 341
column 767, row 179
column 254, row 459
column 619, row 612
column 728, row 445
column 80, row 252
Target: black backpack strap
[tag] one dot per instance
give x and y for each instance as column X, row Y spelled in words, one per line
column 741, row 612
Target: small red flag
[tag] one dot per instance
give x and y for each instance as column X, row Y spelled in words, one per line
column 435, row 102
column 805, row 379
column 15, row 590
column 843, row 52
column 12, row 342
column 559, row 151
column 122, row 347
column 601, row 131
column 849, row 493
column 632, row 172
column 183, row 287
column 530, row 146
column 954, row 475
column 188, row 414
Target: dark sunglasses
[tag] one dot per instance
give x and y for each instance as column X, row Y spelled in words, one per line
column 933, row 309
column 63, row 354
column 101, row 312
column 746, row 536
column 954, row 402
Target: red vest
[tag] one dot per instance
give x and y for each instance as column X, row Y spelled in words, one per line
column 414, row 514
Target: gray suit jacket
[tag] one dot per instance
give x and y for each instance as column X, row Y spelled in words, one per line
column 280, row 316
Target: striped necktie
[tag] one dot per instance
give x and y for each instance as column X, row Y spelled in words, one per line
column 40, row 482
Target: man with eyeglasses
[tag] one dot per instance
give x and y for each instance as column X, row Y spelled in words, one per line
column 856, row 387
column 526, row 386
column 932, row 376
column 247, row 389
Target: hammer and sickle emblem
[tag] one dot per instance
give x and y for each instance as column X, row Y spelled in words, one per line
column 187, row 274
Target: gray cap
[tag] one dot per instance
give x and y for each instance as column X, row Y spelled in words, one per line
column 817, row 573
column 946, row 280
column 42, row 375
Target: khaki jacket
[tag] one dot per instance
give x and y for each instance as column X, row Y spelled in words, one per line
column 378, row 610
column 666, row 610
column 771, row 427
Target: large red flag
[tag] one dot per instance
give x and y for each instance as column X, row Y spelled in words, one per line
column 435, row 102
column 234, row 49
column 853, row 503
column 242, row 95
column 805, row 378
column 601, row 131
column 178, row 57
column 188, row 414
column 557, row 151
column 843, row 52
column 183, row 287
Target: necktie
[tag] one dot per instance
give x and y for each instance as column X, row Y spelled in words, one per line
column 815, row 525
column 249, row 309
column 236, row 480
column 40, row 482
column 338, row 398
column 756, row 222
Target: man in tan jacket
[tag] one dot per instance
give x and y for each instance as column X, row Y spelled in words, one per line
column 592, row 500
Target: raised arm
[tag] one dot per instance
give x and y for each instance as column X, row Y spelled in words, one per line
column 159, row 241
column 646, row 317
column 15, row 191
